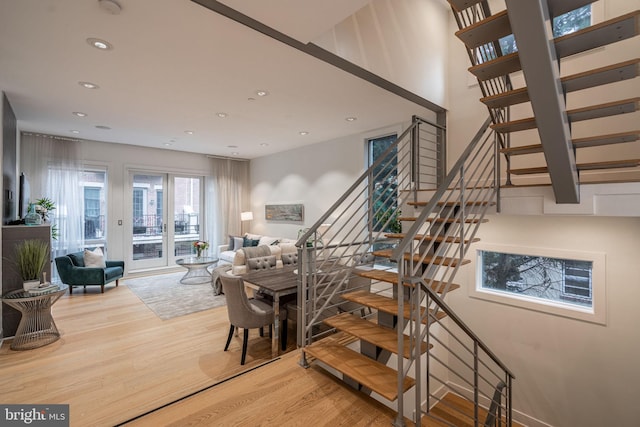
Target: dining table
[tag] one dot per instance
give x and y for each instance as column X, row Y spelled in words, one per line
column 277, row 283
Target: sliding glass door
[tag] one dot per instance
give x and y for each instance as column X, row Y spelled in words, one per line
column 166, row 214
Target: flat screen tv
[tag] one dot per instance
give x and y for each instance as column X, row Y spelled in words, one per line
column 24, row 196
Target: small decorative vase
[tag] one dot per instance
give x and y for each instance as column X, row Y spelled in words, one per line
column 198, row 252
column 32, row 218
column 30, row 284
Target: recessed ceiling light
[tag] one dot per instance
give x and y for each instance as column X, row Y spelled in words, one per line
column 103, row 127
column 88, row 85
column 303, row 133
column 251, row 99
column 79, row 114
column 261, row 92
column 232, row 146
column 74, row 131
column 188, row 132
column 351, row 119
column 235, row 153
column 222, row 115
column 264, row 144
column 167, row 144
column 100, row 44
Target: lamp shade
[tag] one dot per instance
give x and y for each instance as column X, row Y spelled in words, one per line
column 246, row 216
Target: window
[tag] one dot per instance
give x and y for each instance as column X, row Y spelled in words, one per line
column 94, row 184
column 557, row 282
column 385, row 184
column 568, row 23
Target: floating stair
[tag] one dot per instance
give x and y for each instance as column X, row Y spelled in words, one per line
column 384, row 304
column 445, row 220
column 610, row 31
column 616, row 164
column 366, row 371
column 451, row 204
column 385, row 338
column 579, row 114
column 587, row 79
column 392, row 277
column 456, row 410
column 453, row 262
column 437, row 239
column 593, row 141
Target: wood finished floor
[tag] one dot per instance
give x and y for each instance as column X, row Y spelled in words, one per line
column 116, row 360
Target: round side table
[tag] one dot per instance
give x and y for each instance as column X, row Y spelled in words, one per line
column 197, row 270
column 36, row 327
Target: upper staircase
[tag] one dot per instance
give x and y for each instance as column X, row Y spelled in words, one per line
column 538, row 102
column 375, row 269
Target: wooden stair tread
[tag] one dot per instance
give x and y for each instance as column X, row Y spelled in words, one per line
column 597, row 77
column 614, row 164
column 438, row 239
column 447, row 220
column 391, row 277
column 592, row 141
column 446, row 261
column 376, row 376
column 579, row 114
column 459, row 411
column 452, row 203
column 386, row 305
column 385, row 338
column 488, row 30
column 607, row 32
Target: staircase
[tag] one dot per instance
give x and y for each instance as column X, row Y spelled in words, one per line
column 540, row 58
column 375, row 269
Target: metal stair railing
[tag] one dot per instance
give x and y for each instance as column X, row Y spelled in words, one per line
column 341, row 242
column 434, row 247
column 482, row 378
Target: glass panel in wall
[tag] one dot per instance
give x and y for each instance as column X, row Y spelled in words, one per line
column 148, row 238
column 553, row 279
column 186, row 214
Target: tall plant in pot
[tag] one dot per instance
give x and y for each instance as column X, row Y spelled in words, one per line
column 31, row 257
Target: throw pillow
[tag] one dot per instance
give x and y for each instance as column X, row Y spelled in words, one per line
column 94, row 258
column 237, row 243
column 233, row 243
column 247, row 242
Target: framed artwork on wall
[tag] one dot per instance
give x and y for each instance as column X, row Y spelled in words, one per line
column 285, row 212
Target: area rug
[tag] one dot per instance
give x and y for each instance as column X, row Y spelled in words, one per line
column 168, row 298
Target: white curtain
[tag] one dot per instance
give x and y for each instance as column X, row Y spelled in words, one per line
column 227, row 197
column 54, row 169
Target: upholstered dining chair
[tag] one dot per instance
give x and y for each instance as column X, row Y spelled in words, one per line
column 247, row 313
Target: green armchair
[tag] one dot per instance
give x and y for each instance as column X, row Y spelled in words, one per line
column 72, row 272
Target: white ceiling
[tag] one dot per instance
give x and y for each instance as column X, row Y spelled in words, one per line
column 175, row 64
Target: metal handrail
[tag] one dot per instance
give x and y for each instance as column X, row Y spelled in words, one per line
column 404, row 244
column 467, row 330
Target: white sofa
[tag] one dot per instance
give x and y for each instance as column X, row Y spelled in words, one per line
column 278, row 246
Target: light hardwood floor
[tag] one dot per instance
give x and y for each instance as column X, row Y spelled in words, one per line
column 117, row 361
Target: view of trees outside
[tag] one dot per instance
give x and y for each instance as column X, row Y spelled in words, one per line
column 568, row 23
column 385, row 186
column 553, row 279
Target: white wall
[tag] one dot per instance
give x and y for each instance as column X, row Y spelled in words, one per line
column 315, row 175
column 403, row 41
column 568, row 372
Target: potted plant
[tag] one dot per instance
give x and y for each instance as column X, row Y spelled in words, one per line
column 31, row 256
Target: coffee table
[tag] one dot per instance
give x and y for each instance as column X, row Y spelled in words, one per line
column 197, row 270
column 36, row 327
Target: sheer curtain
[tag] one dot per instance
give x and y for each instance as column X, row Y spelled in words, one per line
column 54, row 169
column 227, row 195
